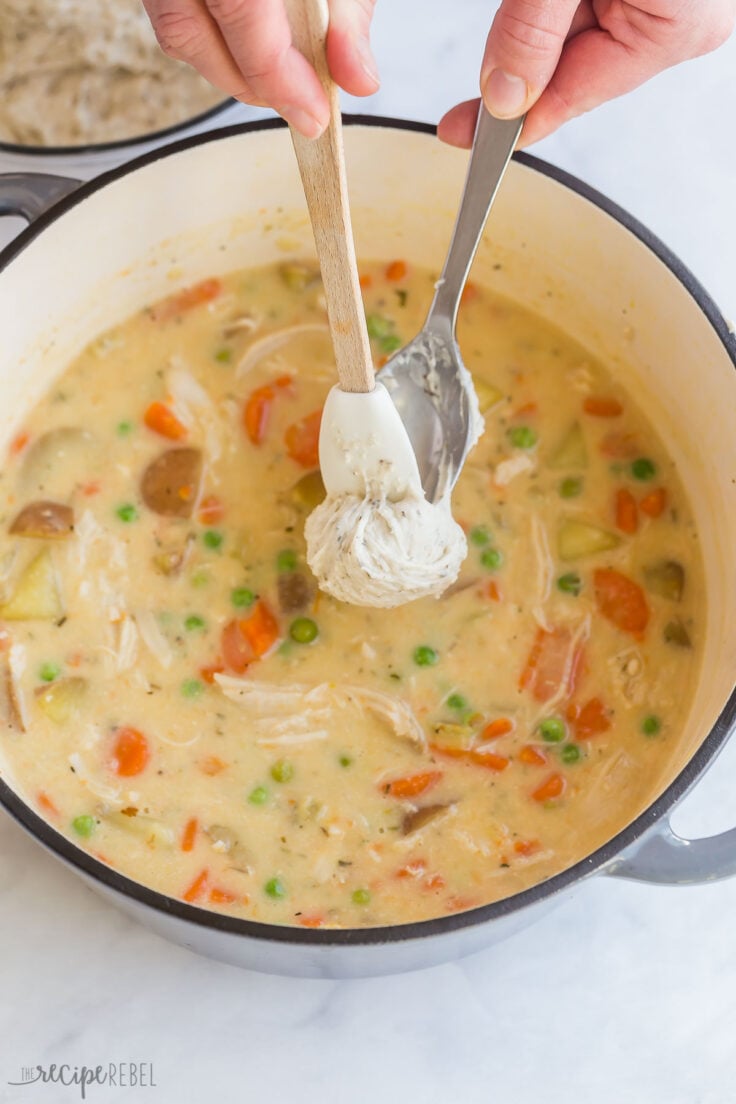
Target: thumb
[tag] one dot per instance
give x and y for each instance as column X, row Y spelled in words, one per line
column 523, row 48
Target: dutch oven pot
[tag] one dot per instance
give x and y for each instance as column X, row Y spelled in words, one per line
column 96, row 253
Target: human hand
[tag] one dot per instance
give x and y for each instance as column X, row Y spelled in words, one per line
column 556, row 59
column 244, row 47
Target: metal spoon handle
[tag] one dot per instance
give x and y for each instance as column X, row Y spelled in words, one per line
column 493, row 144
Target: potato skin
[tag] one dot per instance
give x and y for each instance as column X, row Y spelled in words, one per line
column 170, row 484
column 44, row 520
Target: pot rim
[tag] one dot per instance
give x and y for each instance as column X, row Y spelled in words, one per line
column 121, row 145
column 120, row 883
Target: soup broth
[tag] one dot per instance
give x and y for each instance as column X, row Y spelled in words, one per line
column 184, row 704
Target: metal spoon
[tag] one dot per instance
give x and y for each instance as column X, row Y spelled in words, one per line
column 427, row 380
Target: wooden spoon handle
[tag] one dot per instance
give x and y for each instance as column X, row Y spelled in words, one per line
column 322, row 168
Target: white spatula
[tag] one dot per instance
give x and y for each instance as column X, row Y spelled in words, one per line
column 363, row 443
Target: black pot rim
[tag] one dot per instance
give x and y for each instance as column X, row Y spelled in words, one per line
column 120, row 144
column 397, row 933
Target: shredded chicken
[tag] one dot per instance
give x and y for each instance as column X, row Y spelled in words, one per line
column 509, row 469
column 545, row 570
column 112, row 795
column 153, row 638
column 270, row 702
column 266, row 346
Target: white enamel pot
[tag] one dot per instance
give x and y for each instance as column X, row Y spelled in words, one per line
column 95, row 253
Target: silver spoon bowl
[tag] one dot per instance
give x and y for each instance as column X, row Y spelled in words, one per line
column 430, row 386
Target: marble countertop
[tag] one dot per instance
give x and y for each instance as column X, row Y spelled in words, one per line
column 624, row 995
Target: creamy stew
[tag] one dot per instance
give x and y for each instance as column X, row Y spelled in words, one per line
column 185, row 704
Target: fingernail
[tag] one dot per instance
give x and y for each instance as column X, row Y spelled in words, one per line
column 367, row 60
column 306, row 123
column 504, row 95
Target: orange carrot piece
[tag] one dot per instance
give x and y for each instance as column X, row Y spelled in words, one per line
column 211, row 765
column 434, row 881
column 590, row 719
column 600, row 406
column 532, row 756
column 412, row 786
column 627, row 515
column 46, row 803
column 525, row 411
column 492, row 590
column 366, row 280
column 488, row 759
column 460, row 904
column 208, row 673
column 189, row 834
column 654, row 503
column 237, row 653
column 218, row 896
column 197, row 888
column 414, row 869
column 211, row 510
column 261, row 629
column 312, row 920
column 470, row 292
column 257, row 412
column 527, row 847
column 621, row 601
column 302, row 440
column 19, row 442
column 620, row 446
column 549, row 665
column 91, row 488
column 396, row 271
column 553, row 786
column 501, row 726
column 131, row 753
column 161, row 419
column 195, row 296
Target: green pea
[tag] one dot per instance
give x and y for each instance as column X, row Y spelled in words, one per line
column 457, row 701
column 479, row 535
column 553, row 730
column 241, row 597
column 424, row 656
column 287, row 560
column 570, row 583
column 258, row 796
column 492, row 558
column 570, row 753
column 390, row 343
column 192, row 688
column 124, row 429
column 212, row 538
column 282, row 771
column 200, row 578
column 49, row 671
column 651, row 725
column 194, row 622
column 379, row 328
column 643, row 469
column 571, row 487
column 127, row 512
column 224, row 355
column 345, row 760
column 361, row 896
column 303, row 630
column 522, row 437
column 275, row 888
column 84, row 825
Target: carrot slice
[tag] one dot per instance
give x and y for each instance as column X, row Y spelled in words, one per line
column 627, row 517
column 590, row 719
column 261, row 629
column 500, row 727
column 527, row 847
column 302, row 440
column 487, row 759
column 219, row 896
column 434, row 881
column 257, row 412
column 18, row 443
column 211, row 510
column 211, row 765
column 365, row 281
column 553, row 786
column 189, row 834
column 131, row 753
column 413, row 785
column 414, row 869
column 600, row 406
column 208, row 673
column 46, row 803
column 620, row 446
column 531, row 756
column 195, row 296
column 470, row 292
column 162, row 420
column 196, row 889
column 550, row 665
column 313, row 920
column 654, row 503
column 237, row 653
column 397, row 270
column 621, row 601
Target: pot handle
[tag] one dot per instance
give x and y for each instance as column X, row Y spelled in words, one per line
column 28, row 195
column 664, row 858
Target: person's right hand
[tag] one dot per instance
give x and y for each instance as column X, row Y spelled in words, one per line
column 244, row 47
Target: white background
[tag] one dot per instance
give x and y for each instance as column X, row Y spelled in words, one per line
column 626, row 994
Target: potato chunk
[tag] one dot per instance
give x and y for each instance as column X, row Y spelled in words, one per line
column 170, row 484
column 43, row 520
column 571, row 453
column 576, row 539
column 60, row 700
column 36, row 596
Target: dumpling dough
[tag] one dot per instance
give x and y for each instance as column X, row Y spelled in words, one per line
column 370, row 551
